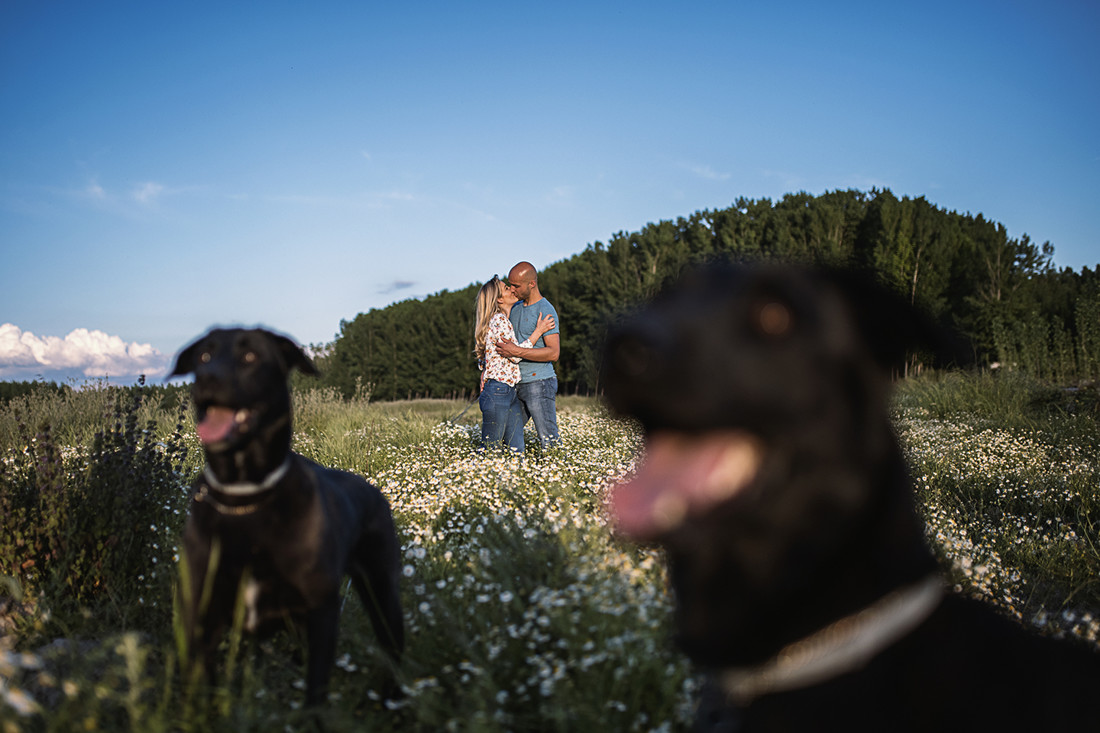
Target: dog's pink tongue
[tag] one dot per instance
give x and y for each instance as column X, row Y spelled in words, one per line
column 683, row 475
column 216, row 425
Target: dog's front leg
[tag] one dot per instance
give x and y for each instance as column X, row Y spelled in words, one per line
column 321, row 642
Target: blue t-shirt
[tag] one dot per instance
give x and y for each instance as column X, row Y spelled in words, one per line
column 524, row 318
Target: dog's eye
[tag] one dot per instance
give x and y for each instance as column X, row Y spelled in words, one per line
column 772, row 318
column 205, row 357
column 249, row 357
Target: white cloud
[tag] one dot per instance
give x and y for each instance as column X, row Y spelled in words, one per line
column 705, row 171
column 791, row 182
column 143, row 193
column 146, row 193
column 95, row 191
column 560, row 194
column 82, row 353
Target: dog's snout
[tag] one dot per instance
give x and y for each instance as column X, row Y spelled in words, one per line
column 636, row 369
column 632, row 357
column 211, row 371
column 213, row 377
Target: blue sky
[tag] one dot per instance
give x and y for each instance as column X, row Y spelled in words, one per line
column 165, row 167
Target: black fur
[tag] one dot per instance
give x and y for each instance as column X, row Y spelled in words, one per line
column 798, row 362
column 287, row 547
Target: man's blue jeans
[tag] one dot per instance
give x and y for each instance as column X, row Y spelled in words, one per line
column 539, row 402
column 502, row 417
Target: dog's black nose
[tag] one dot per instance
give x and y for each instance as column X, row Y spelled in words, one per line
column 635, row 366
column 632, row 358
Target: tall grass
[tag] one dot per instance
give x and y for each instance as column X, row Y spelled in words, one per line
column 90, row 528
column 74, row 414
column 1007, row 471
column 522, row 612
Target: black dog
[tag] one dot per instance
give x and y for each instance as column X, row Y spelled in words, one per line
column 271, row 525
column 773, row 479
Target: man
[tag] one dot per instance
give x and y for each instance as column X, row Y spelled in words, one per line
column 538, row 383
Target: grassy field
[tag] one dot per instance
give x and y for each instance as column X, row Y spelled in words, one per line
column 522, row 612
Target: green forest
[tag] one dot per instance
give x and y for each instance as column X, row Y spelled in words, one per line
column 1003, row 295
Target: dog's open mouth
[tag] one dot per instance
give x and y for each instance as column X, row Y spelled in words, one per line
column 683, row 475
column 221, row 424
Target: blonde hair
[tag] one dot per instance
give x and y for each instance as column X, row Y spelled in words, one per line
column 485, row 305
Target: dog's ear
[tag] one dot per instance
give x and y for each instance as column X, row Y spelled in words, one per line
column 187, row 359
column 892, row 328
column 293, row 355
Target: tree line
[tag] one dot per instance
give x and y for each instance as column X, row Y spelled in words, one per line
column 1002, row 294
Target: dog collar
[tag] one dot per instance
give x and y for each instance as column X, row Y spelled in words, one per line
column 245, row 488
column 842, row 646
column 234, row 510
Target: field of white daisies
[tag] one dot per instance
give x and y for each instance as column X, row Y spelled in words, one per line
column 522, row 612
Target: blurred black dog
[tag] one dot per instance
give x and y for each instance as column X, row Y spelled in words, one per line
column 774, row 481
column 271, row 525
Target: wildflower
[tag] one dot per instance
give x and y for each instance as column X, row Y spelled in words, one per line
column 19, row 700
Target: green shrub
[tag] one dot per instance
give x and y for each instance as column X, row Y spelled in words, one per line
column 93, row 528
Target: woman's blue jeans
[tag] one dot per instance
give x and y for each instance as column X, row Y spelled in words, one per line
column 501, row 416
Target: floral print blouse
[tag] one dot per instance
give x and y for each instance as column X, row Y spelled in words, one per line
column 499, row 367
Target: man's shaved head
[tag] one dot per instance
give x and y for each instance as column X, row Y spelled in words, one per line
column 523, row 271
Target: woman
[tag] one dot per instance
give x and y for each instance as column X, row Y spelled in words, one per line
column 501, row 415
